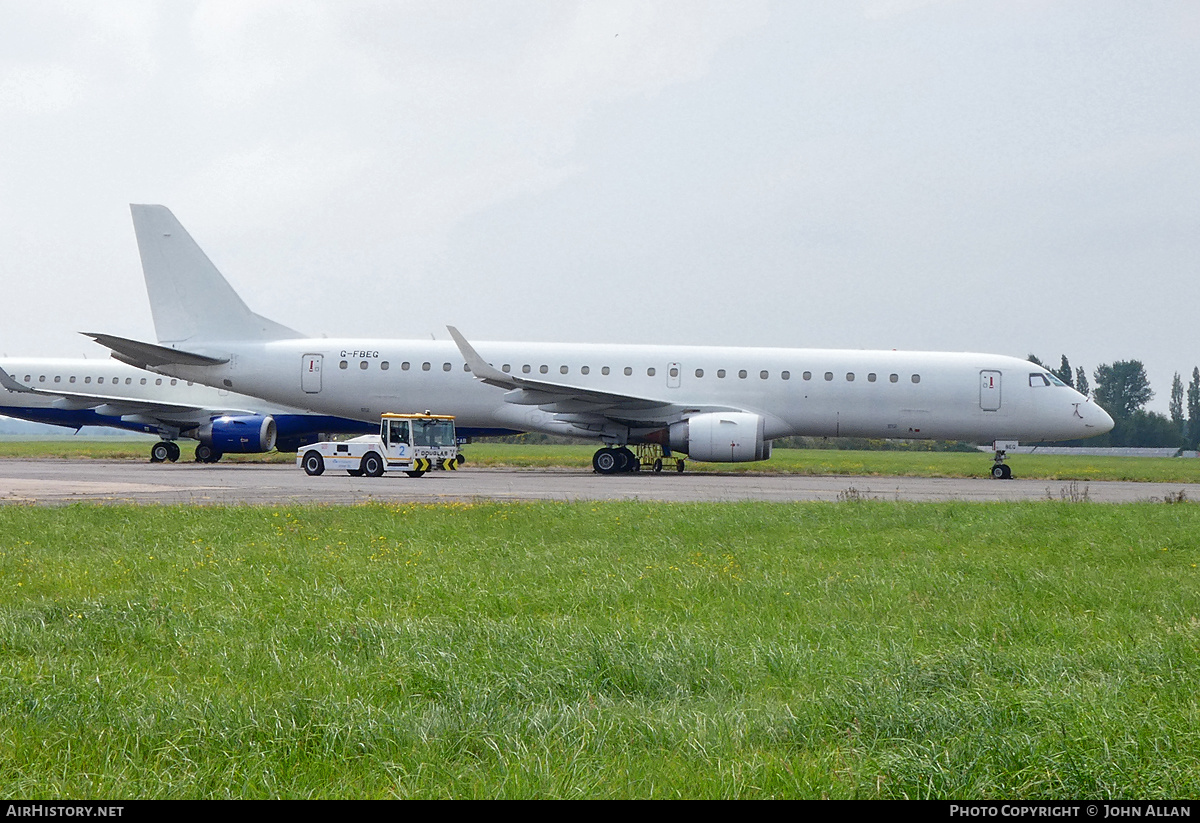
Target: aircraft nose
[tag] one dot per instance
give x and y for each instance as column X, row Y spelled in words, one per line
column 1095, row 419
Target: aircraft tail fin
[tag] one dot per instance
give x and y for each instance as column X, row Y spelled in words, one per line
column 189, row 298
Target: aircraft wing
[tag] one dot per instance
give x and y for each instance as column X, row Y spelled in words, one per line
column 563, row 398
column 115, row 405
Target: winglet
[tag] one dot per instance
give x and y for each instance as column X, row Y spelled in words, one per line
column 479, row 366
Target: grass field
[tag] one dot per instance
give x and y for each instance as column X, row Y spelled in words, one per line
column 793, row 461
column 856, row 649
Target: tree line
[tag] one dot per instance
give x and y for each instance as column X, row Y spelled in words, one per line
column 1123, row 390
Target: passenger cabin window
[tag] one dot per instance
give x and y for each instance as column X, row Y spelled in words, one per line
column 807, row 375
column 850, row 377
column 563, row 370
column 343, row 365
column 699, row 372
column 763, row 374
column 628, row 371
column 829, row 375
column 585, row 369
column 362, row 365
column 720, row 372
column 916, row 378
column 893, row 377
column 785, row 375
column 544, row 369
column 871, row 377
column 447, row 366
column 425, row 366
column 650, row 372
column 742, row 373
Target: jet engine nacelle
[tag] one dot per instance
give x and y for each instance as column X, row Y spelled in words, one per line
column 250, row 433
column 721, row 437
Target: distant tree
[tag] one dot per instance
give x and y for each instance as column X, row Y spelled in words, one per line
column 1176, row 404
column 1144, row 429
column 1064, row 373
column 1193, row 408
column 1081, row 382
column 1033, row 358
column 1122, row 388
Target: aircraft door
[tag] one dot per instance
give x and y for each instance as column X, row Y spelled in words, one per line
column 989, row 390
column 310, row 373
column 673, row 372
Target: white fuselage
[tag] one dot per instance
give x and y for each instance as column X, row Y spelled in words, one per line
column 76, row 392
column 815, row 392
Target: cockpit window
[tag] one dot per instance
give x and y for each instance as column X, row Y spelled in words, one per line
column 1039, row 379
column 1056, row 381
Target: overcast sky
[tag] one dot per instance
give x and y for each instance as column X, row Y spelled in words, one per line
column 991, row 175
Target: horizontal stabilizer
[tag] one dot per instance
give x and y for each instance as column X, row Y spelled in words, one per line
column 8, row 382
column 148, row 355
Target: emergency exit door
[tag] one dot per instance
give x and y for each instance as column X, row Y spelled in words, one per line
column 310, row 373
column 989, row 390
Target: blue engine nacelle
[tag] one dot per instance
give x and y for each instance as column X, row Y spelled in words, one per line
column 245, row 434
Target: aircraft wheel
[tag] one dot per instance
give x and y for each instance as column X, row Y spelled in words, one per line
column 372, row 465
column 608, row 461
column 204, row 453
column 415, row 472
column 632, row 464
column 173, row 448
column 1001, row 471
column 160, row 452
column 314, row 464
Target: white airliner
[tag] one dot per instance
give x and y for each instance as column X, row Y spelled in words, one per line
column 712, row 403
column 82, row 392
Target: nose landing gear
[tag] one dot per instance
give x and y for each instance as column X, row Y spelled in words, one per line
column 1000, row 469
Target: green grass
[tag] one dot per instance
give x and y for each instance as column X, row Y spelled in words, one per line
column 783, row 461
column 860, row 649
column 876, row 463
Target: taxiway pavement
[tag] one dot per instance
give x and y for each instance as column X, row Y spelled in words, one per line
column 56, row 482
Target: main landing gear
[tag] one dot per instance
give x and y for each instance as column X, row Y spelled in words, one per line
column 1000, row 469
column 619, row 459
column 164, row 451
column 207, row 454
